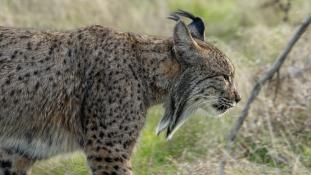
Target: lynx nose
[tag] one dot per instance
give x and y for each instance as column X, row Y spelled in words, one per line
column 237, row 97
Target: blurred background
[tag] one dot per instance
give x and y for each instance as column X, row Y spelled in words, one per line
column 275, row 139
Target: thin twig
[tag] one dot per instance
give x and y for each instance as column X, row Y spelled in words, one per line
column 277, row 85
column 257, row 87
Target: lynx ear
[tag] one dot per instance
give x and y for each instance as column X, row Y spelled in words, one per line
column 182, row 37
column 184, row 44
column 196, row 27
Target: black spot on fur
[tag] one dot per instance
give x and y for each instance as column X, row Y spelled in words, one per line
column 7, row 172
column 29, row 46
column 7, row 82
column 18, row 67
column 116, row 167
column 98, row 159
column 5, row 164
column 108, row 159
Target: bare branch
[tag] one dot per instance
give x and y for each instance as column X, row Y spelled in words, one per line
column 257, row 87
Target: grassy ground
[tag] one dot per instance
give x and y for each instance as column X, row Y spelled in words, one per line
column 276, row 137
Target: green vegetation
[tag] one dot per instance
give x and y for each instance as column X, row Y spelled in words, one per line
column 276, row 137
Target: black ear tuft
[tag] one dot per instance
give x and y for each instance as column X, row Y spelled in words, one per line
column 196, row 27
column 174, row 17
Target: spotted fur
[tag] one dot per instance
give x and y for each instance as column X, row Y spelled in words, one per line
column 89, row 89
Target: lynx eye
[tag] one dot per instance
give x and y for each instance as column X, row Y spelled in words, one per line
column 226, row 77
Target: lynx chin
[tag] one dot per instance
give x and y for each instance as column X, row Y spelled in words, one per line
column 89, row 89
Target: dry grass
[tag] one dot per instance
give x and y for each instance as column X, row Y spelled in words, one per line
column 146, row 17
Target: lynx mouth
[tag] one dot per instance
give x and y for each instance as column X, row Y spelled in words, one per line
column 221, row 108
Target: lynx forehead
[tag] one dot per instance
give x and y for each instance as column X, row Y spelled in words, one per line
column 89, row 89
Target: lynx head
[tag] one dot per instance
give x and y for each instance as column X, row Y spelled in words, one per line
column 206, row 80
